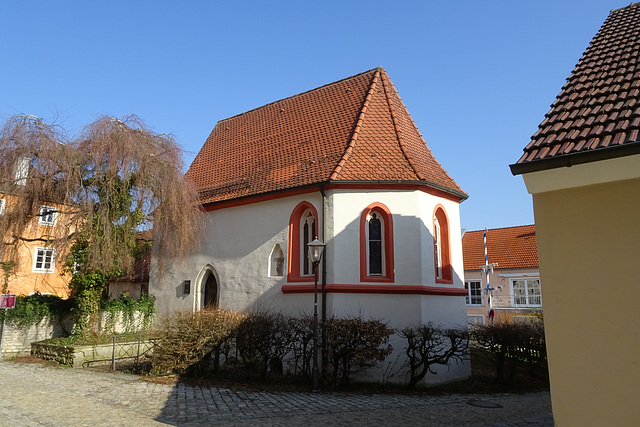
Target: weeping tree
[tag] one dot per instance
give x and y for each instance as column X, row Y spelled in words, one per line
column 115, row 180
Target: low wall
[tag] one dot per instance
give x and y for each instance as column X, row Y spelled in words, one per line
column 17, row 341
column 84, row 355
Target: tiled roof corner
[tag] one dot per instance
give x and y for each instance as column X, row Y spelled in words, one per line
column 510, row 247
column 355, row 129
column 597, row 113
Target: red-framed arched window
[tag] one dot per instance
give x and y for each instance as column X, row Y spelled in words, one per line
column 376, row 244
column 303, row 228
column 442, row 246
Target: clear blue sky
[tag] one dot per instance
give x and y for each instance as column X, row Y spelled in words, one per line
column 476, row 76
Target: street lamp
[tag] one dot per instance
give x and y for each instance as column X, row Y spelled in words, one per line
column 316, row 248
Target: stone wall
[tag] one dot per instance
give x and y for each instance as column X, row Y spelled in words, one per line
column 85, row 355
column 17, row 341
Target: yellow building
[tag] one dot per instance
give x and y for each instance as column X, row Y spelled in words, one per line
column 582, row 168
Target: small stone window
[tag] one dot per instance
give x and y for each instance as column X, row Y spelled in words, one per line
column 276, row 262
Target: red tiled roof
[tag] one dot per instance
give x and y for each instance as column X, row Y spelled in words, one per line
column 355, row 129
column 597, row 114
column 510, row 247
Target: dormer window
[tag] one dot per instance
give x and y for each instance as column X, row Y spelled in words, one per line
column 47, row 215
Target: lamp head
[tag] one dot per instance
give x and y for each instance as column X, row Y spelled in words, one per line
column 316, row 248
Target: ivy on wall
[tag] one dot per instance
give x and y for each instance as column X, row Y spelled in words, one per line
column 33, row 309
column 134, row 315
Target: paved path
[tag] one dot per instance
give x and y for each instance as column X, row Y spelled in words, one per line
column 33, row 395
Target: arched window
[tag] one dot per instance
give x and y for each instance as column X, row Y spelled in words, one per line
column 308, row 224
column 441, row 246
column 376, row 244
column 303, row 228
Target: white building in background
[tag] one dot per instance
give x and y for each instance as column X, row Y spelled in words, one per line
column 343, row 162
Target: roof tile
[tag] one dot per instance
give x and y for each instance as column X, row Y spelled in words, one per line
column 601, row 91
column 510, row 247
column 355, row 129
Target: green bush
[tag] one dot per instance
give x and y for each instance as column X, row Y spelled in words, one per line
column 31, row 310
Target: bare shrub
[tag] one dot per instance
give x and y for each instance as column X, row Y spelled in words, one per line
column 512, row 345
column 301, row 330
column 186, row 338
column 354, row 344
column 263, row 339
column 429, row 345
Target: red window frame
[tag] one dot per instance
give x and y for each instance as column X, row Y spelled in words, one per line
column 388, row 275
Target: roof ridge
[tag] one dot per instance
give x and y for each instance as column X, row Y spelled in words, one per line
column 500, row 228
column 396, row 127
column 298, row 94
column 624, row 7
column 358, row 127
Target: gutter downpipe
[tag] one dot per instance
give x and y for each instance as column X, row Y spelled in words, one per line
column 323, row 342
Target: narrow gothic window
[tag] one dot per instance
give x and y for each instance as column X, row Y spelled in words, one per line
column 303, row 229
column 308, row 234
column 375, row 245
column 438, row 247
column 442, row 247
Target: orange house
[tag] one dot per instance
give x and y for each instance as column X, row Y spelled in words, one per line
column 39, row 266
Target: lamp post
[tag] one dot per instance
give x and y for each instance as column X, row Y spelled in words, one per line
column 316, row 248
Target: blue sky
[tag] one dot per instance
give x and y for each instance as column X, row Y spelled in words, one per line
column 476, row 76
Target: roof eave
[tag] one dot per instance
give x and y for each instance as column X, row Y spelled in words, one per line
column 462, row 195
column 568, row 160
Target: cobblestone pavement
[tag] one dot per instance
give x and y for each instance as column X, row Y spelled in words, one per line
column 33, row 395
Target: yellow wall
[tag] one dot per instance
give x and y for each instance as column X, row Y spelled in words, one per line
column 24, row 280
column 589, row 252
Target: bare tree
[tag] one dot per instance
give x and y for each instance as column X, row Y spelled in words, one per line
column 116, row 173
column 115, row 180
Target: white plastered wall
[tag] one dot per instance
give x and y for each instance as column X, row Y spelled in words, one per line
column 237, row 244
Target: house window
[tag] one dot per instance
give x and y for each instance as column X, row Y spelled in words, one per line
column 44, row 260
column 441, row 247
column 303, row 228
column 376, row 244
column 526, row 292
column 47, row 215
column 474, row 292
column 2, row 203
column 475, row 319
